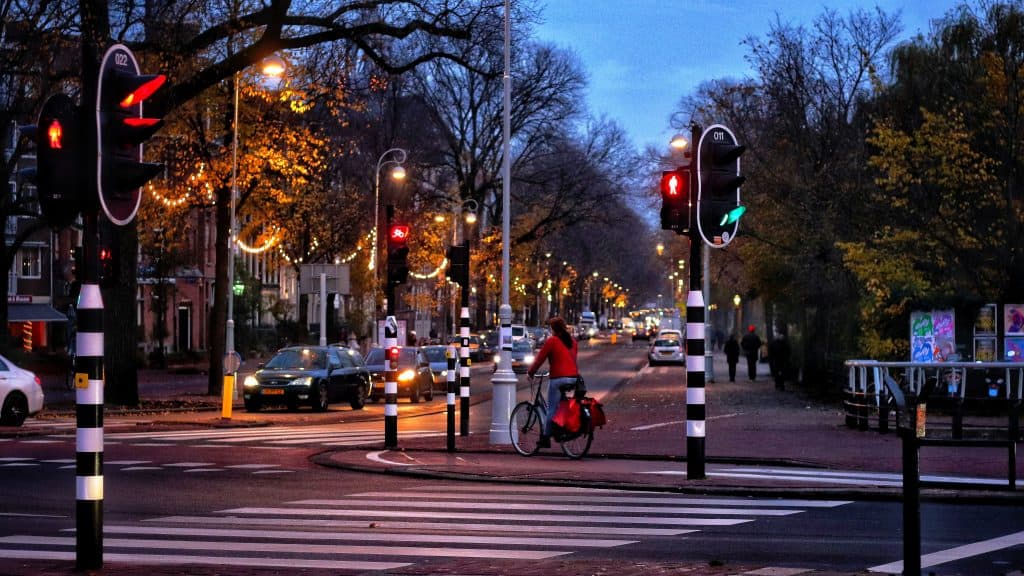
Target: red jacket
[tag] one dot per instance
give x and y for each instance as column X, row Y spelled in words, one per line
column 563, row 360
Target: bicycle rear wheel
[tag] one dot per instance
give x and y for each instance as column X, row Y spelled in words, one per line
column 525, row 427
column 578, row 446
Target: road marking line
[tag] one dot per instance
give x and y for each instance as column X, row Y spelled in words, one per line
column 361, row 536
column 211, row 560
column 957, row 553
column 558, row 497
column 563, row 507
column 435, row 514
column 421, row 526
column 297, row 548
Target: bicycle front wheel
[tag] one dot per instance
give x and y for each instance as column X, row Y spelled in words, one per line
column 525, row 427
column 578, row 446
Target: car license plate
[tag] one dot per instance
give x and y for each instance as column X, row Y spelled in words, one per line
column 272, row 391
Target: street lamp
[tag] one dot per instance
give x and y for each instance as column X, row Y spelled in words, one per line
column 398, row 173
column 272, row 66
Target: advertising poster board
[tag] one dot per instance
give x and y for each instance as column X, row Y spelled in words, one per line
column 1013, row 319
column 1013, row 349
column 932, row 336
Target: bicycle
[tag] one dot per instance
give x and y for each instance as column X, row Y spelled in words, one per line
column 527, row 423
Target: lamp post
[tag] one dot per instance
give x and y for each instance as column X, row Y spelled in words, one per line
column 398, row 174
column 272, row 66
column 504, row 381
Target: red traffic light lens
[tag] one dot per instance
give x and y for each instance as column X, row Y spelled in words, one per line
column 393, row 353
column 672, row 184
column 55, row 135
column 399, row 233
column 145, row 90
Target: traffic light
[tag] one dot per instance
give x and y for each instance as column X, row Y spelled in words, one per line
column 108, row 268
column 398, row 253
column 718, row 203
column 57, row 174
column 122, row 129
column 458, row 264
column 675, row 200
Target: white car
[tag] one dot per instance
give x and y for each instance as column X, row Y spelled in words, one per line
column 666, row 351
column 21, row 394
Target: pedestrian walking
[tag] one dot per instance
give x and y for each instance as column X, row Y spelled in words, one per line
column 778, row 360
column 751, row 345
column 732, row 355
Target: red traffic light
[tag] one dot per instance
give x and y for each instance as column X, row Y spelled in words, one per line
column 393, row 353
column 673, row 184
column 149, row 85
column 55, row 135
column 399, row 233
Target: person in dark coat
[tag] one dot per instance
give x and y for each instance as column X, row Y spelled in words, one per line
column 732, row 355
column 751, row 345
column 778, row 358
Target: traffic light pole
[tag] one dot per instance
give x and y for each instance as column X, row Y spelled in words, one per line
column 390, row 365
column 696, row 413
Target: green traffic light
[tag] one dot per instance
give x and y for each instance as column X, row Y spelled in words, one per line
column 732, row 215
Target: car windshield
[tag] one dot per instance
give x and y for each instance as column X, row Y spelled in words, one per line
column 435, row 354
column 298, row 359
column 521, row 346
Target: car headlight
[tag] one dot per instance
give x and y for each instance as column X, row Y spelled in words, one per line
column 444, row 373
column 302, row 381
column 497, row 358
column 406, row 375
column 528, row 359
column 250, row 382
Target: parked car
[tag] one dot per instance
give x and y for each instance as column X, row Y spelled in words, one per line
column 434, row 358
column 308, row 375
column 522, row 356
column 21, row 392
column 413, row 380
column 666, row 350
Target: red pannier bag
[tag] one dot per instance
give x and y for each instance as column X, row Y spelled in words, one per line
column 596, row 409
column 567, row 416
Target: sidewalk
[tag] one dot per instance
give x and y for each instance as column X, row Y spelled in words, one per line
column 784, row 435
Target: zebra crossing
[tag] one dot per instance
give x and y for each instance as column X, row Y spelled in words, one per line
column 332, row 435
column 10, row 462
column 391, row 530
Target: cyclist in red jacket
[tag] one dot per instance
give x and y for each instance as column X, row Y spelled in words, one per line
column 560, row 350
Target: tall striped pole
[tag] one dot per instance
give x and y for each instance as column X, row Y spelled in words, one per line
column 450, row 355
column 464, row 365
column 696, row 412
column 89, row 414
column 390, row 383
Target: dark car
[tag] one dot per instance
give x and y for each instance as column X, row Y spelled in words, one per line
column 309, row 375
column 435, row 359
column 414, row 381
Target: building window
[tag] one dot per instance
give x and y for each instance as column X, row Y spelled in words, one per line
column 31, row 262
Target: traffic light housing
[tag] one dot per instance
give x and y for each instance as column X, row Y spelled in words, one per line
column 122, row 129
column 458, row 264
column 718, row 203
column 58, row 172
column 675, row 200
column 398, row 253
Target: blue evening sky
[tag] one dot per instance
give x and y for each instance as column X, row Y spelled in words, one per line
column 642, row 56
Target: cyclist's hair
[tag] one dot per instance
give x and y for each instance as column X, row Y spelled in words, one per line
column 560, row 329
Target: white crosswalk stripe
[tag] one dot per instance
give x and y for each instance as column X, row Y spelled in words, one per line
column 833, row 477
column 387, row 531
column 326, row 435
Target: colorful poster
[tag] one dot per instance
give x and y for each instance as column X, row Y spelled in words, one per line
column 921, row 324
column 985, row 323
column 921, row 349
column 984, row 349
column 945, row 335
column 1014, row 349
column 1013, row 319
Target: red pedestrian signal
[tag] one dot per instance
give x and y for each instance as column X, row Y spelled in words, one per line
column 58, row 171
column 398, row 253
column 399, row 234
column 675, row 200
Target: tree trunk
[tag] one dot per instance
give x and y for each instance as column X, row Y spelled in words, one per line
column 221, row 292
